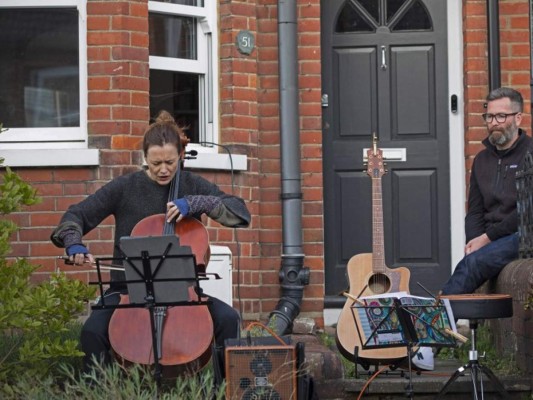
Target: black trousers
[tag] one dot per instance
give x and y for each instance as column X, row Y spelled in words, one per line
column 95, row 338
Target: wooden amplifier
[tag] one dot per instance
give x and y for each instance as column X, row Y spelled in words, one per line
column 261, row 372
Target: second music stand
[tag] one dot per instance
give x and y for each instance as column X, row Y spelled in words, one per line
column 401, row 320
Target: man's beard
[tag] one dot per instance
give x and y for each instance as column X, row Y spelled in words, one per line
column 500, row 137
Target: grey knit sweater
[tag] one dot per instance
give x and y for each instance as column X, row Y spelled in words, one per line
column 132, row 197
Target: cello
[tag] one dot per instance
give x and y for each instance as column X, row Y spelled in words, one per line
column 185, row 333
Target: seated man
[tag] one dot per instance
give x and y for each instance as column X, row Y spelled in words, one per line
column 491, row 223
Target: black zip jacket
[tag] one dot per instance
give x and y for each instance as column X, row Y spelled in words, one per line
column 492, row 195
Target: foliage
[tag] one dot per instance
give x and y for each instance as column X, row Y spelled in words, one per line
column 114, row 382
column 14, row 193
column 529, row 301
column 485, row 347
column 348, row 366
column 32, row 316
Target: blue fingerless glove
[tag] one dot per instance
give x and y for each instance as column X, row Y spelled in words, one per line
column 77, row 249
column 183, row 206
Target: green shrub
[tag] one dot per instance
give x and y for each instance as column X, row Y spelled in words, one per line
column 117, row 383
column 486, row 353
column 33, row 317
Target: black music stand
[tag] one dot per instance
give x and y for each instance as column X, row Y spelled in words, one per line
column 407, row 321
column 158, row 273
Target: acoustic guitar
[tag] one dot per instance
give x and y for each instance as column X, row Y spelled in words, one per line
column 368, row 275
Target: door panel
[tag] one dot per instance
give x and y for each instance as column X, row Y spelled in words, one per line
column 356, row 95
column 412, row 77
column 415, row 233
column 384, row 67
column 352, row 221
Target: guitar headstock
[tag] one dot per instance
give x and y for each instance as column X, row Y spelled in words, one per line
column 375, row 164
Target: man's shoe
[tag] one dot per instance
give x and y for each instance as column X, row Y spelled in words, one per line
column 423, row 359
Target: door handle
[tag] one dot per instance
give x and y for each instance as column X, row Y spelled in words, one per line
column 383, row 57
column 325, row 100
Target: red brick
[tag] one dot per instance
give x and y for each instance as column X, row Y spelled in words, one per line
column 73, row 174
column 98, row 23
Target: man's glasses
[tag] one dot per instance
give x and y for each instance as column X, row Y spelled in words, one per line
column 500, row 118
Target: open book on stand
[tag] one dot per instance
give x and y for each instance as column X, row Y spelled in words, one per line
column 400, row 319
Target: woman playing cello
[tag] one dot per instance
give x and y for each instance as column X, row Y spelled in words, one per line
column 131, row 198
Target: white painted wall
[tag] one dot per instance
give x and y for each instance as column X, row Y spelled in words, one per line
column 457, row 134
column 220, row 263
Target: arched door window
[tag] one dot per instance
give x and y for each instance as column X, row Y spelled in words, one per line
column 397, row 15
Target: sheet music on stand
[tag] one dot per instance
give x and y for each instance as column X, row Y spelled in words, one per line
column 158, row 272
column 171, row 274
column 399, row 319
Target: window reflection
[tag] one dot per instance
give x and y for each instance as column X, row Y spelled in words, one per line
column 416, row 18
column 367, row 15
column 172, row 36
column 372, row 6
column 351, row 21
column 393, row 6
column 176, row 92
column 39, row 84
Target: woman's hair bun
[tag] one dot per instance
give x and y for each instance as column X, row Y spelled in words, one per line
column 164, row 117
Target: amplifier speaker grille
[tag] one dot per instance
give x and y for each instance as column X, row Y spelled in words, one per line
column 261, row 373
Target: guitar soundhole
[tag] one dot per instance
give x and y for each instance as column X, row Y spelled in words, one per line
column 379, row 283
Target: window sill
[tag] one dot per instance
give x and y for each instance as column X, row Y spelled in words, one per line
column 218, row 161
column 50, row 157
column 90, row 157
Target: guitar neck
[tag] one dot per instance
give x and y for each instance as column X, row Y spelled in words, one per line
column 378, row 244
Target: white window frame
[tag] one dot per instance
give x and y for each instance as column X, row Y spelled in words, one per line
column 60, row 145
column 207, row 52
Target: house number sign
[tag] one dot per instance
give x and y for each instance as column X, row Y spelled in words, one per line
column 245, row 41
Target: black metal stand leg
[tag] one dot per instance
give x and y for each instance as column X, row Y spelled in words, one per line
column 459, row 372
column 474, row 379
column 355, row 357
column 409, row 392
column 155, row 346
column 476, row 372
column 495, row 381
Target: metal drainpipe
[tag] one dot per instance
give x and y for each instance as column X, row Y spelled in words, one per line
column 493, row 32
column 292, row 275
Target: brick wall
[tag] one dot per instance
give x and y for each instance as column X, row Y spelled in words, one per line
column 515, row 64
column 118, row 111
column 250, row 111
column 249, row 119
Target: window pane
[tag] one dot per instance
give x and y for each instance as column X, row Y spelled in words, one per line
column 39, row 84
column 416, row 18
column 350, row 21
column 393, row 6
column 176, row 93
column 172, row 36
column 197, row 3
column 372, row 6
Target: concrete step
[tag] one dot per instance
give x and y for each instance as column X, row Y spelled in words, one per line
column 326, row 367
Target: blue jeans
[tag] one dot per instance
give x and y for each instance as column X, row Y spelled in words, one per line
column 481, row 265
